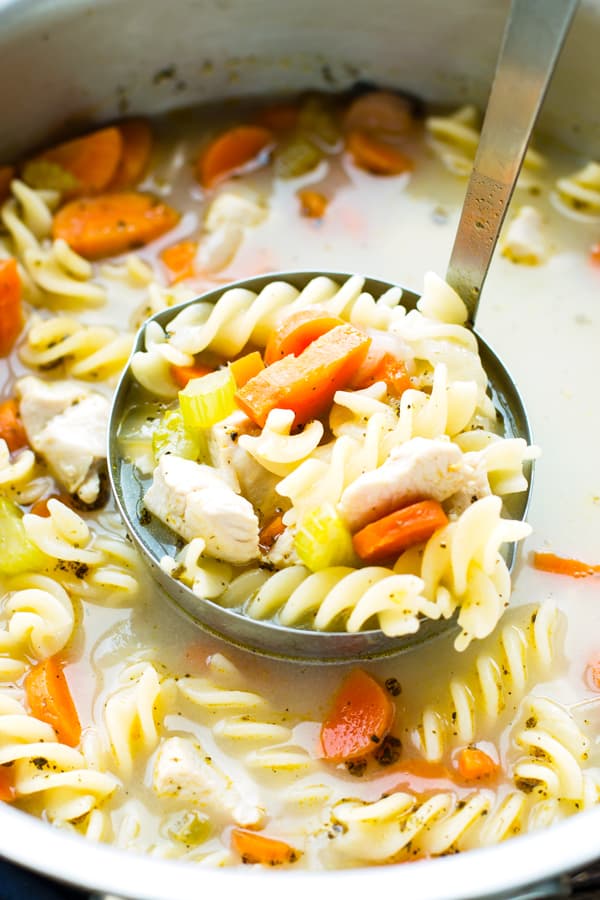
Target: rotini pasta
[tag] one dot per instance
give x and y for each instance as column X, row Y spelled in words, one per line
column 578, row 195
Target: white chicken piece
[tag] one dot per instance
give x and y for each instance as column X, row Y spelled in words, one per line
column 239, row 469
column 183, row 770
column 66, row 424
column 418, row 469
column 524, row 241
column 195, row 501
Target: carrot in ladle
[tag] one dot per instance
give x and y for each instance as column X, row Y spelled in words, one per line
column 389, row 536
column 360, row 717
column 183, row 374
column 297, row 331
column 50, row 700
column 110, row 224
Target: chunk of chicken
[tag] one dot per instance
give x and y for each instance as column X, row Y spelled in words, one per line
column 66, row 424
column 195, row 501
column 183, row 770
column 239, row 469
column 419, row 469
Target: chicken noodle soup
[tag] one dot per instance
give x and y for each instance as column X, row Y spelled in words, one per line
column 122, row 722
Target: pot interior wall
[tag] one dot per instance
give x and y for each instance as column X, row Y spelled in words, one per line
column 64, row 64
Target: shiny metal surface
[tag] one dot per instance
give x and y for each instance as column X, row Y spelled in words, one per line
column 66, row 63
column 534, row 36
column 154, row 540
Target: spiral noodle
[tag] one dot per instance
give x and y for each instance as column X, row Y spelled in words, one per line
column 132, row 713
column 454, row 139
column 49, row 778
column 36, row 617
column 497, row 681
column 52, row 273
column 578, row 195
column 20, row 477
column 89, row 352
column 555, row 749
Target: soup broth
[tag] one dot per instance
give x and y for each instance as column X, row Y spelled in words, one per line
column 190, row 748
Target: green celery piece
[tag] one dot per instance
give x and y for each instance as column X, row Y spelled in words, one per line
column 190, row 828
column 171, row 436
column 323, row 539
column 207, row 400
column 17, row 553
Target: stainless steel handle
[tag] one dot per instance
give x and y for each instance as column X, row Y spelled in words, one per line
column 532, row 41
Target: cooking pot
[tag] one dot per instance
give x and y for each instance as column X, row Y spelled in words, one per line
column 65, row 63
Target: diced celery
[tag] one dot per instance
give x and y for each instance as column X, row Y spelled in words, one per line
column 296, row 157
column 136, row 433
column 190, row 827
column 207, row 400
column 17, row 553
column 171, row 436
column 322, row 540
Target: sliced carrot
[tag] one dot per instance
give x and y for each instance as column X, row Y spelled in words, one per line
column 183, row 374
column 7, row 173
column 360, row 717
column 379, row 112
column 312, row 203
column 270, row 532
column 376, row 156
column 7, row 787
column 11, row 426
column 11, row 312
column 560, row 565
column 112, row 223
column 92, row 159
column 475, row 765
column 297, row 331
column 136, row 136
column 246, row 367
column 592, row 673
column 305, row 383
column 279, row 116
column 50, row 700
column 392, row 534
column 179, row 260
column 258, row 848
column 594, row 252
column 232, row 151
column 384, row 367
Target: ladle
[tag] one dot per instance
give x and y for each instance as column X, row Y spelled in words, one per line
column 532, row 41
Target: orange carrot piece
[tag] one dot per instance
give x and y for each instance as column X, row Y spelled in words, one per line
column 7, row 173
column 50, row 700
column 183, row 374
column 232, row 151
column 112, row 223
column 297, row 331
column 246, row 367
column 92, row 159
column 594, row 252
column 560, row 565
column 392, row 534
column 312, row 203
column 40, row 507
column 475, row 765
column 385, row 367
column 305, row 383
column 179, row 260
column 11, row 313
column 360, row 717
column 379, row 112
column 7, row 788
column 592, row 674
column 270, row 532
column 376, row 156
column 11, row 426
column 258, row 848
column 136, row 136
column 279, row 116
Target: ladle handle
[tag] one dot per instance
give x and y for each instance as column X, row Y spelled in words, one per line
column 532, row 41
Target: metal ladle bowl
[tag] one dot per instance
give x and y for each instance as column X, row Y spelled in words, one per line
column 533, row 38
